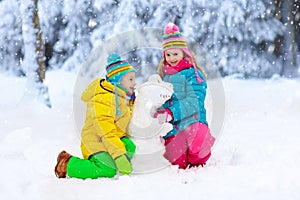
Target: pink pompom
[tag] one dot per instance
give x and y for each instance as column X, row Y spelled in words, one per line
column 171, row 28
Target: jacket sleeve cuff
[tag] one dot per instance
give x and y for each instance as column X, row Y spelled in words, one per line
column 169, row 112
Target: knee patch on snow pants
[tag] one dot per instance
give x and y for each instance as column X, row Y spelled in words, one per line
column 191, row 146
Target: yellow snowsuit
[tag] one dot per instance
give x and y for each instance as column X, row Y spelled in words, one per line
column 103, row 130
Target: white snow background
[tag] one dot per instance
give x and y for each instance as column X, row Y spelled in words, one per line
column 256, row 158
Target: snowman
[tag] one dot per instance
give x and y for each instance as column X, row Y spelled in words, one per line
column 145, row 130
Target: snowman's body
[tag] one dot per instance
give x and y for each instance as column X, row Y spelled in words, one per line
column 145, row 130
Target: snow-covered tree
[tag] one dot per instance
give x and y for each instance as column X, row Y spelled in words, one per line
column 243, row 38
column 52, row 23
column 118, row 29
column 33, row 62
column 11, row 43
column 73, row 43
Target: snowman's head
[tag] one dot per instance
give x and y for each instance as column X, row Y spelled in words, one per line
column 149, row 96
column 155, row 91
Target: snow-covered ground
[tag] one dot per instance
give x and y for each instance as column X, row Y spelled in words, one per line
column 256, row 157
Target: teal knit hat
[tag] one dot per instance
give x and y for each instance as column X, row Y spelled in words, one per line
column 116, row 68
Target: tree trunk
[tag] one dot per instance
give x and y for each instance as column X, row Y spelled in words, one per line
column 34, row 54
column 39, row 45
column 288, row 51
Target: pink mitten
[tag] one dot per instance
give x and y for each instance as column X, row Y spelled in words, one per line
column 163, row 115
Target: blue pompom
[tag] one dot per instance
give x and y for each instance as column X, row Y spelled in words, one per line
column 112, row 58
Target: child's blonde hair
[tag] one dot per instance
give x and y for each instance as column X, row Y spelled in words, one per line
column 160, row 68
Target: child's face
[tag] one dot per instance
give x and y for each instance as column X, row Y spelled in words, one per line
column 128, row 82
column 173, row 56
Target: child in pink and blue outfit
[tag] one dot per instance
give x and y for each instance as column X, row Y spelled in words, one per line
column 189, row 143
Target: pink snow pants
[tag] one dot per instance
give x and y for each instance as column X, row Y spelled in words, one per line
column 190, row 147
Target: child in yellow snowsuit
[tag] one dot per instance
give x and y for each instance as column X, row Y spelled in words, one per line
column 105, row 145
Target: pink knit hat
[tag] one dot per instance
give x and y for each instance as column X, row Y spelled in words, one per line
column 173, row 39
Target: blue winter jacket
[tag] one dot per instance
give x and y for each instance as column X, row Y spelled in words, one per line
column 187, row 101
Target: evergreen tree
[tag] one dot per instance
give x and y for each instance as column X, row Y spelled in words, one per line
column 243, row 38
column 123, row 31
column 73, row 43
column 52, row 23
column 11, row 43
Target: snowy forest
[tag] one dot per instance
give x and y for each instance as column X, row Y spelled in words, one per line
column 247, row 39
column 256, row 38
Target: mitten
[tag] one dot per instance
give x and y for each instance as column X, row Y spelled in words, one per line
column 153, row 110
column 163, row 115
column 130, row 147
column 123, row 164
